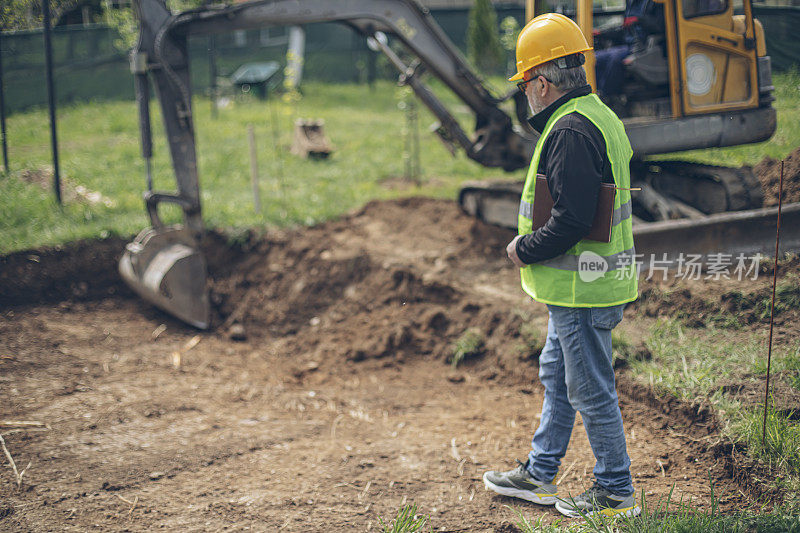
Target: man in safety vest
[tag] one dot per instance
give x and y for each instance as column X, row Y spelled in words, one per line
column 584, row 283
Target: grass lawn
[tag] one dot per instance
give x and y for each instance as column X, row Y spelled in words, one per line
column 99, row 151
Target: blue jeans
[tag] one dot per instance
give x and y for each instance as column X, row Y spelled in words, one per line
column 575, row 369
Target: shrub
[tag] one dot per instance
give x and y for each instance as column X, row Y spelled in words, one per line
column 483, row 40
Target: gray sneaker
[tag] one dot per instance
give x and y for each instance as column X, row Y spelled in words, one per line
column 519, row 483
column 598, row 500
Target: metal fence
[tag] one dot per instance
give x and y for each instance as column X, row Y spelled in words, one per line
column 90, row 62
column 86, row 65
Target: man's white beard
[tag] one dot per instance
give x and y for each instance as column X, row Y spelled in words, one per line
column 535, row 105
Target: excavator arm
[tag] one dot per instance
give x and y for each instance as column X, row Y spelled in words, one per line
column 495, row 142
column 164, row 264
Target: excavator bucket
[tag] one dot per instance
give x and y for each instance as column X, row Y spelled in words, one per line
column 165, row 268
column 164, row 264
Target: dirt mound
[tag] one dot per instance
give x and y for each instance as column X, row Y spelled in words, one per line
column 768, row 172
column 87, row 270
column 84, row 270
column 727, row 303
column 341, row 302
column 373, row 284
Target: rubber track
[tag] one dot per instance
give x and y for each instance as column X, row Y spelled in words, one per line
column 742, row 188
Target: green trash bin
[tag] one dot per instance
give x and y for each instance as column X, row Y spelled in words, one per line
column 261, row 78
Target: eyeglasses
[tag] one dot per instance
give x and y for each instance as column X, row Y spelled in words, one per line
column 523, row 85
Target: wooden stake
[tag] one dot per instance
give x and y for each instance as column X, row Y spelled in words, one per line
column 772, row 309
column 254, row 168
column 3, row 116
column 22, row 424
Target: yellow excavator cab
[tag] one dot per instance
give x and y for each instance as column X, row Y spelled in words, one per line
column 714, row 61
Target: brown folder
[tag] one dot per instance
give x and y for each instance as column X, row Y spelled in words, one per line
column 601, row 226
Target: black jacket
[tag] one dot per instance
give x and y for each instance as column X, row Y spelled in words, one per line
column 575, row 162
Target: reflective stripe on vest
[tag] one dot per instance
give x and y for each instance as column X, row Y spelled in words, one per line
column 590, row 274
column 613, row 262
column 624, row 211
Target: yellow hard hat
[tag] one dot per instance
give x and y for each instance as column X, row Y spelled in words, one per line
column 545, row 38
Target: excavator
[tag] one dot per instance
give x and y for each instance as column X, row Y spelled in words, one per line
column 704, row 82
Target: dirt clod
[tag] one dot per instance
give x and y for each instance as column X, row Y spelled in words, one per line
column 237, row 333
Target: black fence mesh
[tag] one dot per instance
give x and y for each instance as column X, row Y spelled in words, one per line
column 780, row 25
column 90, row 64
column 86, row 65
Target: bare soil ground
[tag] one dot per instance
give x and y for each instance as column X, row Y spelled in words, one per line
column 768, row 171
column 336, row 408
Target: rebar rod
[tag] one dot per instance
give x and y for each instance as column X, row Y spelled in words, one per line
column 772, row 310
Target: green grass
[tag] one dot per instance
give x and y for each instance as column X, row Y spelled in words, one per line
column 788, row 362
column 99, row 149
column 781, row 448
column 470, row 344
column 759, row 303
column 405, row 521
column 787, row 296
column 691, row 365
column 623, row 351
column 791, row 365
column 668, row 516
column 531, row 337
column 539, row 525
column 702, row 366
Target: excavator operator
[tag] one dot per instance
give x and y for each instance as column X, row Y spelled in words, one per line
column 643, row 18
column 582, row 145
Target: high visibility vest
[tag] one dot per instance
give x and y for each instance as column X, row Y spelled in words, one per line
column 591, row 273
